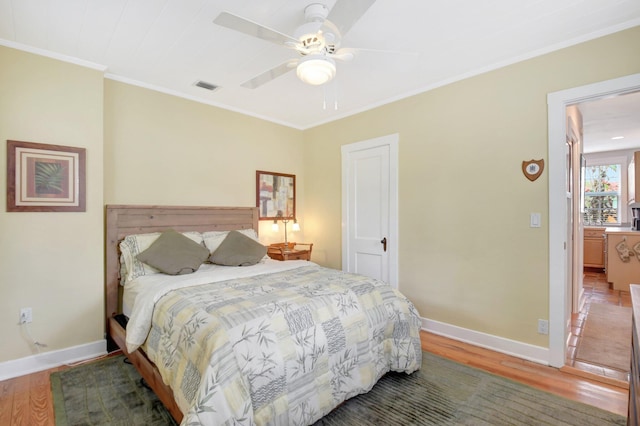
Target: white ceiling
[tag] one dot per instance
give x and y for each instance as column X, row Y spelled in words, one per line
column 168, row 45
column 609, row 118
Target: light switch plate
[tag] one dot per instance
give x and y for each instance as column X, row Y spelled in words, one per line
column 535, row 220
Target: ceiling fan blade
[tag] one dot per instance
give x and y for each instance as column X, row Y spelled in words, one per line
column 345, row 13
column 347, row 53
column 344, row 54
column 236, row 23
column 267, row 76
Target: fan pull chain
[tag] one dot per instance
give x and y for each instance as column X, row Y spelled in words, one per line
column 324, row 97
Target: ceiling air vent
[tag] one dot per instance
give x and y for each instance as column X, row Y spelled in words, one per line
column 206, row 85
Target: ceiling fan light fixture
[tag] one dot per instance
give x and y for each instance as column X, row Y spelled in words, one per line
column 316, row 69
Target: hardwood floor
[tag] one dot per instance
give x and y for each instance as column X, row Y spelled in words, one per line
column 596, row 290
column 578, row 388
column 27, row 400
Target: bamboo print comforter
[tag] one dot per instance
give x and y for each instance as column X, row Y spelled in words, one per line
column 281, row 348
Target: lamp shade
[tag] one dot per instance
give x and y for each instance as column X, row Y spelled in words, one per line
column 316, row 69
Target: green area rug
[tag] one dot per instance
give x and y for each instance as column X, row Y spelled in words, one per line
column 443, row 392
column 105, row 392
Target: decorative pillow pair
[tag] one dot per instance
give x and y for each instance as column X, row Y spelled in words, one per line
column 175, row 253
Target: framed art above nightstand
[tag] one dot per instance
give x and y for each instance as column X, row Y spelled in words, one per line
column 275, row 195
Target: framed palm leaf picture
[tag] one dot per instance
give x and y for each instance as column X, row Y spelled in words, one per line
column 45, row 178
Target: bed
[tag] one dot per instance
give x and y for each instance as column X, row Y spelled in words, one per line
column 271, row 343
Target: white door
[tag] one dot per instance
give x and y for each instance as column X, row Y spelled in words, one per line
column 369, row 208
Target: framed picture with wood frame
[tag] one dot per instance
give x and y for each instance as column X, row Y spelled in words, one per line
column 275, row 195
column 45, row 178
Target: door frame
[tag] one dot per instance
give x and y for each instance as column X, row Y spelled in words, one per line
column 392, row 141
column 574, row 140
column 559, row 315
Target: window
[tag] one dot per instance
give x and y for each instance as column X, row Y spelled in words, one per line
column 602, row 194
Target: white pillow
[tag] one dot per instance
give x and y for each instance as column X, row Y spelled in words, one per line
column 213, row 239
column 134, row 244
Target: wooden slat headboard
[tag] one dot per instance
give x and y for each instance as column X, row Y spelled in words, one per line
column 123, row 220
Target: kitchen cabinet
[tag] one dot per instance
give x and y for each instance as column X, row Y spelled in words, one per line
column 594, row 247
column 633, row 179
column 623, row 257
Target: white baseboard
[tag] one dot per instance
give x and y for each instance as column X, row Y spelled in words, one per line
column 46, row 360
column 537, row 354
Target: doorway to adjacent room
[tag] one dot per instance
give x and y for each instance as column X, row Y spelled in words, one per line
column 560, row 291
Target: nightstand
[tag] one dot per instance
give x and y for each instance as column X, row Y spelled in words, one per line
column 290, row 251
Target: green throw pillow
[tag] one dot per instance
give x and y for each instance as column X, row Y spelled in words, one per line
column 238, row 250
column 174, row 254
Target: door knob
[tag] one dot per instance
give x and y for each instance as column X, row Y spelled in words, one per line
column 384, row 243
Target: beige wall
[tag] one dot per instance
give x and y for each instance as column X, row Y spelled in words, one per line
column 51, row 262
column 467, row 254
column 164, row 150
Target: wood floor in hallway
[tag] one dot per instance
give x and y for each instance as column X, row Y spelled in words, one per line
column 596, row 290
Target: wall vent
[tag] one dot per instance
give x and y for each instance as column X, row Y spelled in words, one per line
column 206, row 85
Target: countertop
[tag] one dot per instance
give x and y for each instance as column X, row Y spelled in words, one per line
column 626, row 226
column 620, row 230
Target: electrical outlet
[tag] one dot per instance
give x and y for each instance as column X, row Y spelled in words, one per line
column 543, row 326
column 25, row 316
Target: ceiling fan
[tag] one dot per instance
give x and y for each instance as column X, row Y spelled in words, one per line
column 317, row 41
